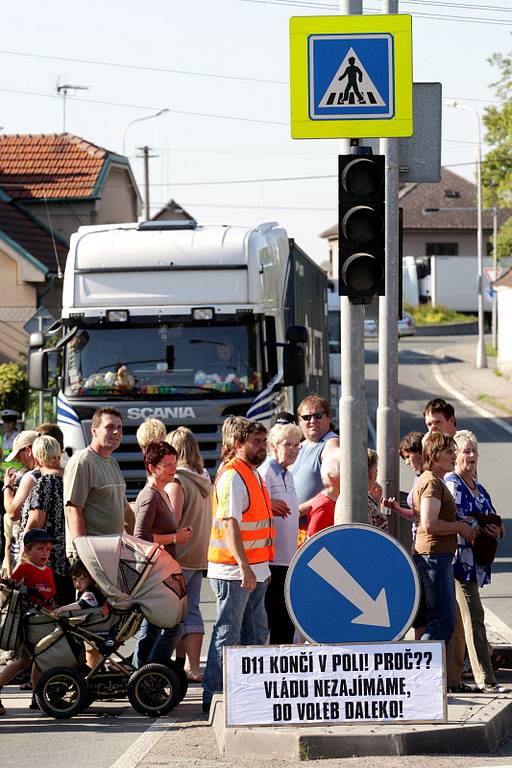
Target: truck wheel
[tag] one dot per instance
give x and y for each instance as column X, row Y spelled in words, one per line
column 154, row 690
column 62, row 693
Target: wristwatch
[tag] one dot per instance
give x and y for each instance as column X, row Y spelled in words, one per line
column 5, row 487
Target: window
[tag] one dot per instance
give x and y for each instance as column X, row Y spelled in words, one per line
column 442, row 249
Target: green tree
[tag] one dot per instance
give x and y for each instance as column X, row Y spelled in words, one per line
column 497, row 165
column 13, row 387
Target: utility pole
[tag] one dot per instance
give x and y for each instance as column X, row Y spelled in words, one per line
column 63, row 89
column 145, row 155
column 353, row 412
column 495, row 277
column 388, row 423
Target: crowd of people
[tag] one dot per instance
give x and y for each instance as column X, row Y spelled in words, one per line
column 271, row 492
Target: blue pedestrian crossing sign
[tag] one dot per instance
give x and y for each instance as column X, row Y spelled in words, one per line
column 351, row 76
column 362, row 85
column 350, row 584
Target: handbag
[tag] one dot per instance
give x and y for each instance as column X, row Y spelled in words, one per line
column 485, row 547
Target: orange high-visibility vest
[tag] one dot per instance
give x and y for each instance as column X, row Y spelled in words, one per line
column 256, row 527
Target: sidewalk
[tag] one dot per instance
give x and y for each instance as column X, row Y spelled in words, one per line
column 483, row 386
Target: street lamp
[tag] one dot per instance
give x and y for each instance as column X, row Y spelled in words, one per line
column 481, row 357
column 138, row 120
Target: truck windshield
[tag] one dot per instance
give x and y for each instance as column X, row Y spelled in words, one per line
column 168, row 359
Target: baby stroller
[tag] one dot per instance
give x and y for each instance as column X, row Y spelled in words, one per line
column 139, row 580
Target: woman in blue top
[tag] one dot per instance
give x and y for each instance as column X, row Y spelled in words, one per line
column 471, row 497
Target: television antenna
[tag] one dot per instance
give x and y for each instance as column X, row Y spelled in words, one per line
column 63, row 90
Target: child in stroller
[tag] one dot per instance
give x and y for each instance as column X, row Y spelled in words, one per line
column 139, row 580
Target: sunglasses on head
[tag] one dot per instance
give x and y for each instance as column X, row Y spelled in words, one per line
column 316, row 415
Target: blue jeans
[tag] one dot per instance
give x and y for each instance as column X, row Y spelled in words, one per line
column 241, row 620
column 436, row 574
column 155, row 644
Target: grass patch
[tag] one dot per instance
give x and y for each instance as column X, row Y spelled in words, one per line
column 495, row 403
column 426, row 314
column 489, row 350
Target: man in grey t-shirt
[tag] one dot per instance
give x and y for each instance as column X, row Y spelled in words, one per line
column 94, row 487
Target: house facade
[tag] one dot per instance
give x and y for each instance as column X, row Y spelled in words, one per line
column 49, row 186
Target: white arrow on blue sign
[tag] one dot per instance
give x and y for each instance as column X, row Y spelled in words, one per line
column 352, row 583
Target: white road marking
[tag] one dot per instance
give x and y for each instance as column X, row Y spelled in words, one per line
column 497, row 625
column 146, row 741
column 467, row 402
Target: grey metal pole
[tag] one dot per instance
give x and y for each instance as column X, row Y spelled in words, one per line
column 40, row 328
column 481, row 355
column 495, row 269
column 353, row 420
column 387, row 409
column 145, row 150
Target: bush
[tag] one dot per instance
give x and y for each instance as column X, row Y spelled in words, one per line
column 426, row 314
column 13, row 387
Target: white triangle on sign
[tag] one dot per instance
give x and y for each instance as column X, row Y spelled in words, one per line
column 351, row 86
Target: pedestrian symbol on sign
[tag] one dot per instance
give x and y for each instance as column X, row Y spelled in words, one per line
column 351, row 84
column 351, row 76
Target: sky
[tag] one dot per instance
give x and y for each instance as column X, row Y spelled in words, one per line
column 222, row 71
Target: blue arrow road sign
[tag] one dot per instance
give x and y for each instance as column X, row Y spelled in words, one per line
column 352, row 583
column 351, row 76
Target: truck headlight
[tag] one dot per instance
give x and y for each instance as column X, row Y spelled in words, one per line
column 203, row 313
column 118, row 315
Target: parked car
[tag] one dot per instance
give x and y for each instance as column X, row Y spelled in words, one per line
column 406, row 327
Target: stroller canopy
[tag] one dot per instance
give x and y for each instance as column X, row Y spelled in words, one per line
column 133, row 573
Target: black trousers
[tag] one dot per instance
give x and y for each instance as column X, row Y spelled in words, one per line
column 280, row 625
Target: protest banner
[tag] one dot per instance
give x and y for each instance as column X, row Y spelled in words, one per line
column 327, row 684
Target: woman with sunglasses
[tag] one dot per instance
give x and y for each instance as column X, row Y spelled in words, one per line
column 315, row 422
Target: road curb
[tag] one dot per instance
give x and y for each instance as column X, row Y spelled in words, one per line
column 475, row 725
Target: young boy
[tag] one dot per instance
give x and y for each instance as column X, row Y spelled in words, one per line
column 37, row 576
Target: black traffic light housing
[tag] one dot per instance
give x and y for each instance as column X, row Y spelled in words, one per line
column 361, row 226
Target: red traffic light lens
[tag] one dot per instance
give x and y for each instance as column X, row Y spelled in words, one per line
column 362, row 177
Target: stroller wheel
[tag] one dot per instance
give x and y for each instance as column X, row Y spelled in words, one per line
column 62, row 692
column 154, row 690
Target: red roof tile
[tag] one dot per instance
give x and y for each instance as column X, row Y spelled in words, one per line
column 32, row 237
column 49, row 165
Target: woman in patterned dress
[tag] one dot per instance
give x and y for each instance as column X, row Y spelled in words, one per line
column 471, row 497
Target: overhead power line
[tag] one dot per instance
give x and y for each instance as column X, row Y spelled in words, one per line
column 145, row 106
column 419, row 14
column 123, row 65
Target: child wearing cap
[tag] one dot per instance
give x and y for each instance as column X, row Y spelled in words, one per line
column 37, row 576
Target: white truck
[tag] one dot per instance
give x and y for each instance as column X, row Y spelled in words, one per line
column 185, row 323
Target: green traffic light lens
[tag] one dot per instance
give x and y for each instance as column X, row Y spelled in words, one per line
column 361, row 272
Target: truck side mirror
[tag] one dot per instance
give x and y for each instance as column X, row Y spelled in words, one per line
column 297, row 334
column 38, row 369
column 294, row 365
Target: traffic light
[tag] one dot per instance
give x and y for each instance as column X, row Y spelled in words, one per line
column 361, row 227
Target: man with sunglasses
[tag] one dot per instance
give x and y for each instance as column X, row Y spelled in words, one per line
column 315, row 422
